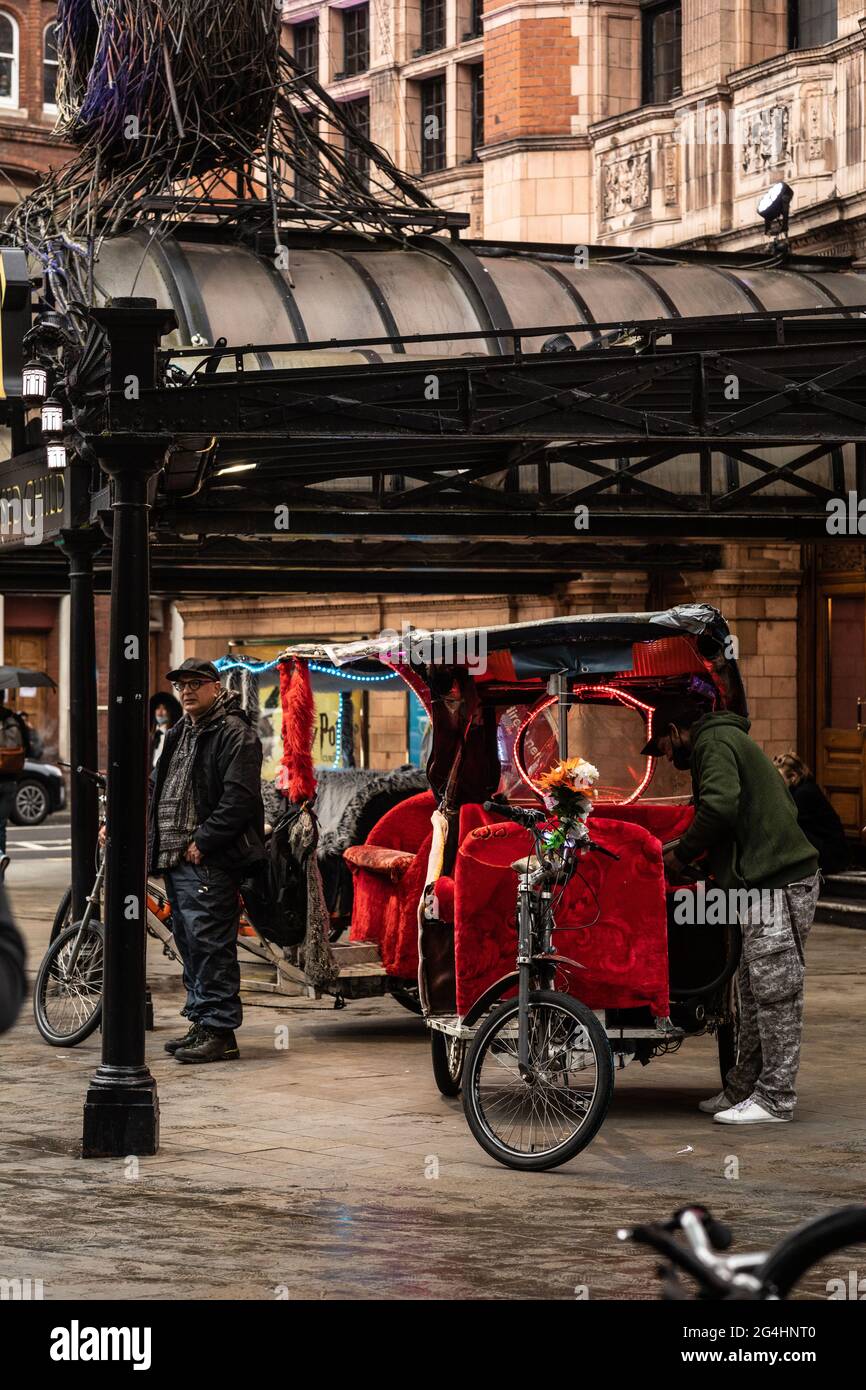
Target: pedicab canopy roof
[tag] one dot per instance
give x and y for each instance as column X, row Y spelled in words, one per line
column 629, row 648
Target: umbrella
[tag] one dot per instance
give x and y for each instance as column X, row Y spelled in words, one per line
column 13, row 676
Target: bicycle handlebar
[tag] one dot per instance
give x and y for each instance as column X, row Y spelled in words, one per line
column 96, row 777
column 660, row 1237
column 530, row 819
column 527, row 816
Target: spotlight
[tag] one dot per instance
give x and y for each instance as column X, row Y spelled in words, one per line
column 52, row 416
column 773, row 207
column 559, row 342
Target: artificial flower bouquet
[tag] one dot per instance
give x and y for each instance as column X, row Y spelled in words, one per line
column 567, row 791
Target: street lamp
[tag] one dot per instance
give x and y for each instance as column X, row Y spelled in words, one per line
column 56, row 455
column 34, row 381
column 52, row 416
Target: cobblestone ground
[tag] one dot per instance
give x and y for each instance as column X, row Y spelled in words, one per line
column 306, row 1172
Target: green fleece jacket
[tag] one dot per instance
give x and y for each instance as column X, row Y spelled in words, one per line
column 745, row 817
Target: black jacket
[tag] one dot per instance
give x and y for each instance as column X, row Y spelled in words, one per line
column 227, row 789
column 12, row 958
column 821, row 825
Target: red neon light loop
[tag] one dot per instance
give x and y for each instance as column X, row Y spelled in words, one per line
column 624, row 698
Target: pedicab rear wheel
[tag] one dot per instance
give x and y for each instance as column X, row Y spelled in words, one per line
column 544, row 1121
column 727, row 1033
column 449, row 1055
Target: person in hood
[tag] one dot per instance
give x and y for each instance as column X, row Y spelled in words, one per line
column 746, row 825
column 205, row 833
column 165, row 711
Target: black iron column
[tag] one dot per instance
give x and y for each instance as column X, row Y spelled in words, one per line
column 121, row 1112
column 79, row 547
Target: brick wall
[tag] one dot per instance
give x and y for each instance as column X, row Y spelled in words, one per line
column 27, row 146
column 528, row 78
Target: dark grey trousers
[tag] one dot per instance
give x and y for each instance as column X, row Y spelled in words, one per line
column 770, row 991
column 205, row 911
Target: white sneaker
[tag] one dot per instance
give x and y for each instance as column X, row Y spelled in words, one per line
column 749, row 1112
column 714, row 1104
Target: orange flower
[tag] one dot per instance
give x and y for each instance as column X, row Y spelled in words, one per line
column 573, row 774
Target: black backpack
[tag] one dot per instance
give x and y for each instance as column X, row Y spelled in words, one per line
column 275, row 896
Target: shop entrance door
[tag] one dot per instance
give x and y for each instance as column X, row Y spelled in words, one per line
column 841, row 700
column 30, row 650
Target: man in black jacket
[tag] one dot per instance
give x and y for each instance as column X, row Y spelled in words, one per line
column 205, row 830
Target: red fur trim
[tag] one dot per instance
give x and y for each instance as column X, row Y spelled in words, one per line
column 296, row 778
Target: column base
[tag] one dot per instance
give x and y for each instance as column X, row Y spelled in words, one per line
column 121, row 1114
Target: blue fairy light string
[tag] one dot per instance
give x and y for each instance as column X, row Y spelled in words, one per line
column 228, row 663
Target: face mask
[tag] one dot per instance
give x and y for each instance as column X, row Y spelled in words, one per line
column 682, row 758
column 162, row 719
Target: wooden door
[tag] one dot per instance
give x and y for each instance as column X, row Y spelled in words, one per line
column 841, row 702
column 30, row 649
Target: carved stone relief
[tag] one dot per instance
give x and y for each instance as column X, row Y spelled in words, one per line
column 670, row 168
column 625, row 183
column 766, row 139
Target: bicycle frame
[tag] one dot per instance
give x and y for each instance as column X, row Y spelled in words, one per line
column 92, row 900
column 534, row 943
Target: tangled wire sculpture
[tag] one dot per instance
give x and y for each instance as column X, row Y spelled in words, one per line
column 185, row 108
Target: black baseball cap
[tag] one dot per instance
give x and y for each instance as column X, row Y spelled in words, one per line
column 192, row 667
column 672, row 709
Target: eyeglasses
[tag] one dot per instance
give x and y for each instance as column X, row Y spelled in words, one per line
column 180, row 686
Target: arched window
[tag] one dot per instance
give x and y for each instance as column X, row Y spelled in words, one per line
column 8, row 60
column 49, row 68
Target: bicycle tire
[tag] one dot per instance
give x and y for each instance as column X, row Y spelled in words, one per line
column 63, row 915
column 598, row 1107
column 447, row 1070
column 46, row 1028
column 803, row 1248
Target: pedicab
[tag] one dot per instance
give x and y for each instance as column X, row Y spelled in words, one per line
column 547, row 951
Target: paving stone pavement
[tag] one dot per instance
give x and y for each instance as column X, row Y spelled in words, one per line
column 333, row 1169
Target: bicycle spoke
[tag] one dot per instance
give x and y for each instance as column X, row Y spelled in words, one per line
column 539, row 1114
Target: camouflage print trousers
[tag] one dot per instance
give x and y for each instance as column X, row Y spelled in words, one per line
column 770, row 997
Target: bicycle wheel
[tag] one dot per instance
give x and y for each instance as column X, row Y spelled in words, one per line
column 448, row 1056
column 67, row 1004
column 63, row 915
column 544, row 1120
column 807, row 1247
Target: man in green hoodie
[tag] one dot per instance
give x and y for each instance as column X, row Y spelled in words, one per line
column 746, row 825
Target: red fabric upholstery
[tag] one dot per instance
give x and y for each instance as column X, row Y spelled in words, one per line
column 379, row 860
column 625, row 952
column 445, row 898
column 387, row 913
column 383, row 912
column 665, row 822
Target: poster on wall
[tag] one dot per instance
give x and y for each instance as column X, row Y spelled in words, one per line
column 419, row 727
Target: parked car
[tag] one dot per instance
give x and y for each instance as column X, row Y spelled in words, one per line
column 41, row 791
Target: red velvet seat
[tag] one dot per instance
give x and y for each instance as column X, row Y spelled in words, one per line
column 624, row 953
column 385, row 912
